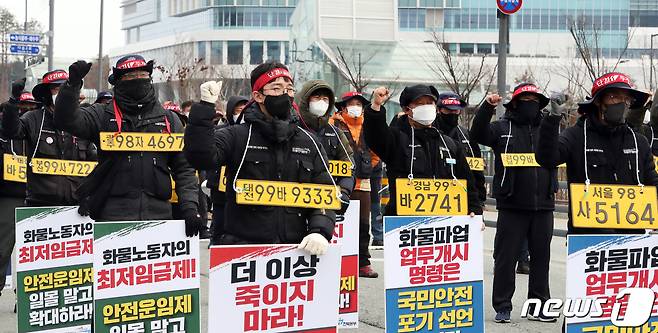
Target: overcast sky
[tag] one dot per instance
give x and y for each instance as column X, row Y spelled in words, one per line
column 76, row 24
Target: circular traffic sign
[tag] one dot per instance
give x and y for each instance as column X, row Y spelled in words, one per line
column 509, row 6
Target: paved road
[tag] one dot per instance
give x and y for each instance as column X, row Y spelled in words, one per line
column 372, row 294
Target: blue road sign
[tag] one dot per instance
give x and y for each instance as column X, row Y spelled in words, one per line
column 24, row 38
column 24, row 49
column 509, row 6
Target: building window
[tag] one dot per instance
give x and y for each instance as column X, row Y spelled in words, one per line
column 274, row 3
column 431, row 4
column 450, row 47
column 234, row 52
column 216, row 52
column 452, row 4
column 467, row 48
column 228, row 17
column 411, row 18
column 407, row 4
column 201, row 50
column 484, row 49
column 255, row 52
column 274, row 51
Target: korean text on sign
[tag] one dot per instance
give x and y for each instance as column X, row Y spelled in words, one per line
column 433, row 274
column 54, row 273
column 272, row 193
column 14, row 168
column 273, row 289
column 599, row 267
column 126, row 141
column 431, row 197
column 62, row 167
column 613, row 206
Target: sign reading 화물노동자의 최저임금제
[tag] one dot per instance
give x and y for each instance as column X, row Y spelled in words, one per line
column 54, row 247
column 146, row 277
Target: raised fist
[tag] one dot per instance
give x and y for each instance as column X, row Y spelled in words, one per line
column 210, row 91
column 77, row 71
column 493, row 99
column 17, row 88
column 379, row 97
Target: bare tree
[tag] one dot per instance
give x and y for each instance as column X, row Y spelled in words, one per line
column 461, row 74
column 353, row 68
column 182, row 75
column 586, row 35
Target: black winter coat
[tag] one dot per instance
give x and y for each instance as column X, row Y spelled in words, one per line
column 610, row 156
column 518, row 188
column 393, row 146
column 137, row 184
column 11, row 147
column 38, row 129
column 295, row 159
column 471, row 149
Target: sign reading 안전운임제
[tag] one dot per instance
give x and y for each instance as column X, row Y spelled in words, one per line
column 346, row 234
column 600, row 267
column 146, row 277
column 433, row 274
column 54, row 253
column 273, row 288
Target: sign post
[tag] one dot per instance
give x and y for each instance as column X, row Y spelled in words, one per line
column 505, row 8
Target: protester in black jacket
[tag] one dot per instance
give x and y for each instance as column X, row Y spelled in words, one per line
column 316, row 103
column 432, row 154
column 600, row 148
column 450, row 107
column 235, row 111
column 267, row 147
column 525, row 195
column 44, row 140
column 12, row 181
column 635, row 120
column 132, row 184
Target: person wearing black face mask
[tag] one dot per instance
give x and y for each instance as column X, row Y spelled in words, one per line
column 48, row 143
column 268, row 146
column 130, row 183
column 600, row 148
column 449, row 107
column 524, row 192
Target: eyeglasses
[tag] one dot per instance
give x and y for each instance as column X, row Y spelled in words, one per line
column 278, row 91
column 619, row 98
column 135, row 75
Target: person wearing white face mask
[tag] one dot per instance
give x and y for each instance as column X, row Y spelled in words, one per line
column 414, row 148
column 316, row 101
column 350, row 121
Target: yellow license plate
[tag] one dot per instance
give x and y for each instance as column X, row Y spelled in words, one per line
column 46, row 166
column 431, row 197
column 14, row 168
column 340, row 168
column 222, row 179
column 475, row 163
column 613, row 206
column 519, row 160
column 273, row 193
column 127, row 141
column 655, row 162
